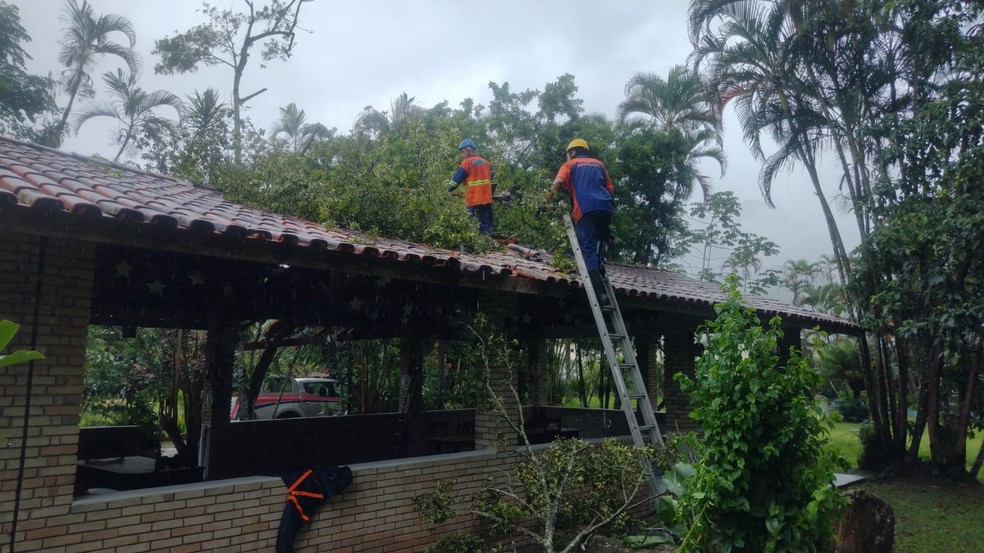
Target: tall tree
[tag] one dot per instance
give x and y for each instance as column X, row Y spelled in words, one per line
column 926, row 250
column 227, row 39
column 750, row 59
column 653, row 180
column 23, row 97
column 824, row 77
column 134, row 109
column 754, row 55
column 86, row 38
column 404, row 108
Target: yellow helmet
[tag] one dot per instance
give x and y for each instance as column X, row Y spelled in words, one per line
column 578, row 143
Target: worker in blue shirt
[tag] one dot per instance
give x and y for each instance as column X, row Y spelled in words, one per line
column 587, row 182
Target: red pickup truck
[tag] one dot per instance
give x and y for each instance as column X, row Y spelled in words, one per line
column 284, row 398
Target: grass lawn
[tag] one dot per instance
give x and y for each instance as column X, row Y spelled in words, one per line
column 844, row 438
column 933, row 517
column 930, row 516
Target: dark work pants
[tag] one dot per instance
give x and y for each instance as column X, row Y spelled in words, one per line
column 484, row 215
column 592, row 230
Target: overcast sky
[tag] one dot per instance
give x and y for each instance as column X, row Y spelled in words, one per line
column 355, row 53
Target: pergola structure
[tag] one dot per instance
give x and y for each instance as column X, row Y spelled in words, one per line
column 83, row 242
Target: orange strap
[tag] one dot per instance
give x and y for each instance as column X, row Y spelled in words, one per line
column 292, row 496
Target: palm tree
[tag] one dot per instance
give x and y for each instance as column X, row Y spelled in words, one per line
column 134, row 109
column 753, row 59
column 678, row 104
column 799, row 276
column 375, row 124
column 86, row 38
column 827, row 298
column 204, row 114
column 679, row 101
column 205, row 131
column 300, row 135
column 402, row 109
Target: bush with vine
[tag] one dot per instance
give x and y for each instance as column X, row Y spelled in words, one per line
column 762, row 481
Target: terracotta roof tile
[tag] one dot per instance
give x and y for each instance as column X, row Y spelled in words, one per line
column 39, row 178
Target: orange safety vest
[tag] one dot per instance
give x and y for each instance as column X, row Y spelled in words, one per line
column 478, row 183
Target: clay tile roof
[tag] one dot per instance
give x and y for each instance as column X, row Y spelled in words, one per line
column 42, row 179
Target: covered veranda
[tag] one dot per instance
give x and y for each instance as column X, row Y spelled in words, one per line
column 85, row 243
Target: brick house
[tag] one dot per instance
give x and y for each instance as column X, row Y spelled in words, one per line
column 83, row 242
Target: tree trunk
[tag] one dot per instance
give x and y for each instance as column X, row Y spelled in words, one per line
column 932, row 385
column 920, row 426
column 247, row 400
column 441, row 361
column 583, row 387
column 59, row 132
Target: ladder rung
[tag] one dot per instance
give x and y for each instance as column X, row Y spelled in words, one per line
column 626, row 366
column 637, row 395
column 614, row 336
column 608, row 308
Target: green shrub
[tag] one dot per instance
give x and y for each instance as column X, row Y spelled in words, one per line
column 437, row 507
column 874, row 456
column 762, row 481
column 851, row 408
column 457, row 543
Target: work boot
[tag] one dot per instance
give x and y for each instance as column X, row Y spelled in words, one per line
column 604, row 245
column 601, row 291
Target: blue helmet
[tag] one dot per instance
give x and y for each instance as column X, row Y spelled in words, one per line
column 467, row 143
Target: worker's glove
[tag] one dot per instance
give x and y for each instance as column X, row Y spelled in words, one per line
column 452, row 186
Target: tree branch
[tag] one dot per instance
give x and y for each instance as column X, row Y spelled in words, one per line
column 253, row 95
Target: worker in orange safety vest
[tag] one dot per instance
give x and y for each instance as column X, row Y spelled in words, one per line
column 475, row 173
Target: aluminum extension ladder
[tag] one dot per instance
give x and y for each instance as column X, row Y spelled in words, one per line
column 648, row 432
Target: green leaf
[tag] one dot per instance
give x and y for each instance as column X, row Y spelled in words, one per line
column 19, row 356
column 772, row 525
column 8, row 330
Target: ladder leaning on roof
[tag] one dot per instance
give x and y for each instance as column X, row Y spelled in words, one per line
column 648, row 432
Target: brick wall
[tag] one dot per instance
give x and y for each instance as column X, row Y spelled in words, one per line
column 52, row 386
column 503, row 366
column 374, row 515
column 648, row 358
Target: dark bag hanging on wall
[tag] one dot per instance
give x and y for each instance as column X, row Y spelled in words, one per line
column 307, row 490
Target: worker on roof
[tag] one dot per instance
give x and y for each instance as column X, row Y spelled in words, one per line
column 587, row 182
column 475, row 172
